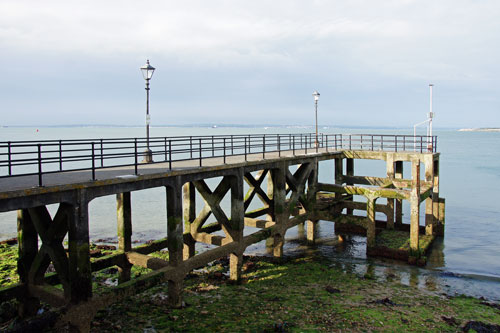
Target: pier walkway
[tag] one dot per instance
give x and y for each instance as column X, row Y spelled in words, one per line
column 279, row 174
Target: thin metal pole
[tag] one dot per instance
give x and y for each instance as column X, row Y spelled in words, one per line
column 245, row 148
column 264, row 146
column 10, row 158
column 200, row 151
column 279, row 145
column 147, row 115
column 224, row 150
column 102, row 154
column 316, row 108
column 191, row 147
column 60, row 155
column 293, row 146
column 165, row 147
column 135, row 155
column 232, row 145
column 39, row 165
column 93, row 160
column 170, row 154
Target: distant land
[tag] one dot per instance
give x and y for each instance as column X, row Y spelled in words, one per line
column 482, row 129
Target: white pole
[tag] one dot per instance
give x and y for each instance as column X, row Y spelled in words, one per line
column 431, row 115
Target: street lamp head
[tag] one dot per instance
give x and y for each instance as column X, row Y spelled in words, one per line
column 147, row 71
column 316, row 95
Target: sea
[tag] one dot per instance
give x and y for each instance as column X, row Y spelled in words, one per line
column 465, row 261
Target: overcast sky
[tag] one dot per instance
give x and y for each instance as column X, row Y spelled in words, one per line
column 250, row 62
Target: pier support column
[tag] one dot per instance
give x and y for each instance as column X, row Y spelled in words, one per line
column 189, row 199
column 124, row 228
column 312, row 190
column 390, row 202
column 349, row 172
column 436, row 211
column 28, row 248
column 399, row 202
column 175, row 240
column 415, row 208
column 80, row 273
column 371, row 227
column 237, row 225
column 280, row 207
column 429, row 204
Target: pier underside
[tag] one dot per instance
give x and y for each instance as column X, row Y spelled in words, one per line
column 263, row 198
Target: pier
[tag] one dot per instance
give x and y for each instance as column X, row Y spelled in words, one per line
column 277, row 173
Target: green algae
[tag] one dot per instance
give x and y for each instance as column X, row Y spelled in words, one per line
column 298, row 295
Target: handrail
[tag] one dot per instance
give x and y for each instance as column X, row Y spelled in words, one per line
column 22, row 158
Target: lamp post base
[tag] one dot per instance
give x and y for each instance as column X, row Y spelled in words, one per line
column 148, row 156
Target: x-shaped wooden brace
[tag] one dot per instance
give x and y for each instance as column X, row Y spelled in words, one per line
column 255, row 188
column 296, row 182
column 212, row 205
column 52, row 234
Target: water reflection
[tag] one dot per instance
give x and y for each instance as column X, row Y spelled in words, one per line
column 347, row 252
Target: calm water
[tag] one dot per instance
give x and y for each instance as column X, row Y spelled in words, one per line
column 465, row 261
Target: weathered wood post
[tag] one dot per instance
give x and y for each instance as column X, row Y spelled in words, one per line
column 436, row 211
column 399, row 202
column 28, row 247
column 370, row 220
column 124, row 227
column 189, row 199
column 80, row 273
column 237, row 224
column 280, row 207
column 390, row 202
column 175, row 240
column 312, row 191
column 415, row 208
column 429, row 204
column 350, row 172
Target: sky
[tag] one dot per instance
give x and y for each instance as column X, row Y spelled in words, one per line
column 250, row 62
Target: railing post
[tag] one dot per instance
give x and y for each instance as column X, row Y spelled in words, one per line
column 232, row 145
column 264, row 146
column 293, row 146
column 224, row 150
column 396, row 142
column 290, row 141
column 93, row 160
column 10, row 157
column 102, row 154
column 372, row 142
column 382, row 142
column 165, row 147
column 191, row 147
column 350, row 142
column 305, row 145
column 60, row 155
column 421, row 143
column 170, row 154
column 404, row 143
column 135, row 155
column 39, row 165
column 249, row 143
column 213, row 147
column 245, row 148
column 200, row 152
column 279, row 145
column 326, row 143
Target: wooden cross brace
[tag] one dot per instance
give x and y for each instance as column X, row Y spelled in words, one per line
column 212, row 205
column 52, row 233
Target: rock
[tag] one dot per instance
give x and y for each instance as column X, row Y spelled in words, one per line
column 480, row 327
column 332, row 290
column 452, row 321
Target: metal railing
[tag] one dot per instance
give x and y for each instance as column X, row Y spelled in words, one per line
column 23, row 158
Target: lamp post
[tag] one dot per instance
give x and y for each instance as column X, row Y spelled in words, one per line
column 316, row 98
column 147, row 72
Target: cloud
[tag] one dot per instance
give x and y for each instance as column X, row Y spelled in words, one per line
column 266, row 51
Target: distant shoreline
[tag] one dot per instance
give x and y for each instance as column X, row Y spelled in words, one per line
column 484, row 129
